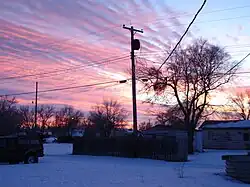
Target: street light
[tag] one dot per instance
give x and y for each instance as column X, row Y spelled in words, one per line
column 123, row 81
column 144, row 80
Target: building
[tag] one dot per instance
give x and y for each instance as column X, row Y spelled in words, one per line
column 117, row 132
column 77, row 132
column 159, row 131
column 226, row 134
column 178, row 134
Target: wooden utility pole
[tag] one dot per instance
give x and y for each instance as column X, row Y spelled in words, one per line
column 36, row 105
column 135, row 45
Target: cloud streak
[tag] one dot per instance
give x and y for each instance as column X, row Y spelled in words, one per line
column 43, row 36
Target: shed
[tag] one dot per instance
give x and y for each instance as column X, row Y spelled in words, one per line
column 180, row 135
column 226, row 134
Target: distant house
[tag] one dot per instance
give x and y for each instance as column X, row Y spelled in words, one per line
column 77, row 132
column 116, row 132
column 159, row 131
column 226, row 134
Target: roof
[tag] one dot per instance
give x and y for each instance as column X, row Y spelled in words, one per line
column 163, row 128
column 236, row 124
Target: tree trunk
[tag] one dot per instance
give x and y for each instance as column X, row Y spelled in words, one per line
column 43, row 126
column 190, row 140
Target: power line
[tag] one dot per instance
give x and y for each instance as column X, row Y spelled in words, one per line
column 59, row 89
column 103, row 83
column 243, row 46
column 204, row 2
column 63, row 70
column 67, row 69
column 208, row 12
column 157, row 20
column 232, row 68
column 237, row 64
column 189, row 14
column 235, row 73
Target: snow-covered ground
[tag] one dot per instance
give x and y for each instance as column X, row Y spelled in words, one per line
column 59, row 168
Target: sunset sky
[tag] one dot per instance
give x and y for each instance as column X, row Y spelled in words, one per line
column 62, row 43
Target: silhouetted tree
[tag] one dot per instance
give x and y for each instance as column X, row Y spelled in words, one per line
column 69, row 118
column 171, row 116
column 10, row 118
column 241, row 104
column 107, row 116
column 45, row 113
column 28, row 116
column 189, row 76
column 145, row 125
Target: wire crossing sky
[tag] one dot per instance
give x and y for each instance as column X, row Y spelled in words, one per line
column 74, row 43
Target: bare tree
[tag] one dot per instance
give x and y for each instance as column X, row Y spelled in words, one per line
column 7, row 103
column 28, row 116
column 10, row 118
column 69, row 118
column 171, row 116
column 107, row 116
column 45, row 113
column 145, row 125
column 241, row 104
column 190, row 75
column 85, row 122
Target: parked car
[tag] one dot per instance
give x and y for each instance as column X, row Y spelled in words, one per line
column 15, row 149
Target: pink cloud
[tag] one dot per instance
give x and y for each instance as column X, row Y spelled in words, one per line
column 44, row 36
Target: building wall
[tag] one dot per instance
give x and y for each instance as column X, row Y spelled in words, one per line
column 181, row 138
column 226, row 138
column 198, row 141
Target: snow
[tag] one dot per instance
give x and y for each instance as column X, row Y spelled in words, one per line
column 59, row 168
column 57, row 149
column 239, row 124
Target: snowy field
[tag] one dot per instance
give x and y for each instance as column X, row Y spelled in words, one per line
column 59, row 168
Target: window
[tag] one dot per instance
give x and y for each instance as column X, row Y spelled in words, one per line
column 228, row 136
column 246, row 137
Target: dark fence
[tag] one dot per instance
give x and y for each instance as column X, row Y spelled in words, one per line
column 65, row 139
column 238, row 167
column 129, row 146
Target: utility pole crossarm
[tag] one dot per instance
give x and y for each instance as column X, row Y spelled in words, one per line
column 132, row 28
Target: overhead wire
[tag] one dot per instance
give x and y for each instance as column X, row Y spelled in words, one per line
column 43, row 73
column 141, row 53
column 186, row 31
column 67, row 69
column 189, row 14
column 59, row 89
column 203, row 13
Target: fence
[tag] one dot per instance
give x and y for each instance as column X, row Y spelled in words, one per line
column 166, row 148
column 238, row 166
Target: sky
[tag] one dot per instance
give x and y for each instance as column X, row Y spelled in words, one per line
column 65, row 43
